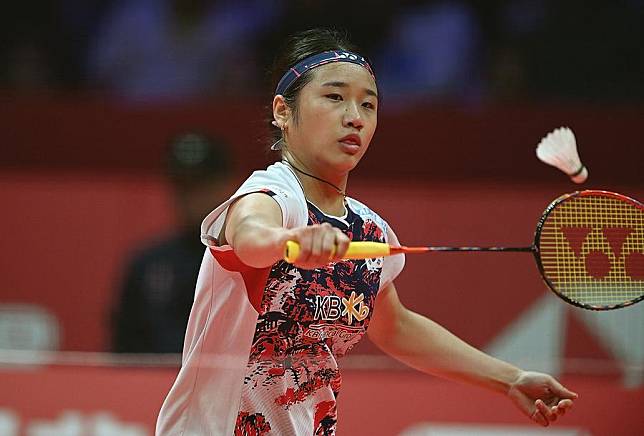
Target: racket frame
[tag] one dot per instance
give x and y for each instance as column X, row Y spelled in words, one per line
column 536, row 248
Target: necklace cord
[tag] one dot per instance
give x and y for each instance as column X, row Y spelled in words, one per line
column 340, row 191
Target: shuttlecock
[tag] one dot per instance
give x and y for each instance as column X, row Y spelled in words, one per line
column 559, row 149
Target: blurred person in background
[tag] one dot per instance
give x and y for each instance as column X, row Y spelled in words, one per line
column 588, row 51
column 573, row 51
column 178, row 49
column 152, row 310
column 27, row 52
column 43, row 49
column 431, row 53
column 367, row 22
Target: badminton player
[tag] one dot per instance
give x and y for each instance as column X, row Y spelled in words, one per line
column 264, row 336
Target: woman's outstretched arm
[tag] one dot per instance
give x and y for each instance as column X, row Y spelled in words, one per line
column 427, row 346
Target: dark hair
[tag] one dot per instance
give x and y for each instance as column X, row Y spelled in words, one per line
column 295, row 49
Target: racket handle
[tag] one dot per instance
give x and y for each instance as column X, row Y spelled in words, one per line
column 357, row 250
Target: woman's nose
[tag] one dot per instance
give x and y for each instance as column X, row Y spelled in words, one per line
column 352, row 117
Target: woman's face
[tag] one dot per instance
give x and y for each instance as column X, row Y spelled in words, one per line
column 336, row 119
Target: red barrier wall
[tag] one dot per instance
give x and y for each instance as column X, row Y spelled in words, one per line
column 67, row 236
column 375, row 403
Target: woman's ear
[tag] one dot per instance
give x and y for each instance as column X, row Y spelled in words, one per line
column 281, row 111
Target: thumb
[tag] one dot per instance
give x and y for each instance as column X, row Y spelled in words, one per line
column 561, row 390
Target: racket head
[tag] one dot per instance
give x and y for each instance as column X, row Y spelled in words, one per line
column 589, row 247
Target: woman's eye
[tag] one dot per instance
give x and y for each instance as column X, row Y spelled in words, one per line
column 336, row 97
column 368, row 105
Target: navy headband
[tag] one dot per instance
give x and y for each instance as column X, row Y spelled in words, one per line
column 316, row 60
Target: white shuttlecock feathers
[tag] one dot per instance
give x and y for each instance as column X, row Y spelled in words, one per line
column 559, row 149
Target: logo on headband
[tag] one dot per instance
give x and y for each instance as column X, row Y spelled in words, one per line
column 349, row 55
column 317, row 60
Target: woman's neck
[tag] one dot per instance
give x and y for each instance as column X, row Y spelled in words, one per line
column 325, row 194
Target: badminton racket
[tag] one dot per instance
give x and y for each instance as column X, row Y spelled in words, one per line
column 588, row 246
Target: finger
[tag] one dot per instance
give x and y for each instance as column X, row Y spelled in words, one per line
column 558, row 411
column 341, row 244
column 328, row 245
column 539, row 418
column 561, row 390
column 305, row 241
column 563, row 407
column 546, row 411
column 317, row 247
column 553, row 414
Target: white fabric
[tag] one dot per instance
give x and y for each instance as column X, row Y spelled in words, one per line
column 206, row 396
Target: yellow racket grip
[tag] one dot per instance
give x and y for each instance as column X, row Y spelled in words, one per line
column 357, row 250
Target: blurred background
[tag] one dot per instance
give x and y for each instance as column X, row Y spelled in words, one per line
column 123, row 122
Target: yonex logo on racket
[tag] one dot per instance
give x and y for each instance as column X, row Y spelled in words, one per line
column 597, row 261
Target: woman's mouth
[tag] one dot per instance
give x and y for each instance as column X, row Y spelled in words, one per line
column 351, row 140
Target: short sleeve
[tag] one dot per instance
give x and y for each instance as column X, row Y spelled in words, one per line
column 392, row 265
column 276, row 181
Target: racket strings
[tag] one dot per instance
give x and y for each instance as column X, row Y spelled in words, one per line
column 592, row 250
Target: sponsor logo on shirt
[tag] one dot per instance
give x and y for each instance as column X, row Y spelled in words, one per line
column 333, row 307
column 321, row 332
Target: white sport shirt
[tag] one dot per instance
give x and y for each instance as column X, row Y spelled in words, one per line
column 261, row 348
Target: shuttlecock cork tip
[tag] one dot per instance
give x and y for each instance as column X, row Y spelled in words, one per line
column 559, row 149
column 581, row 176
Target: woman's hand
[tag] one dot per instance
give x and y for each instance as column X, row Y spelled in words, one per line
column 320, row 244
column 541, row 397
